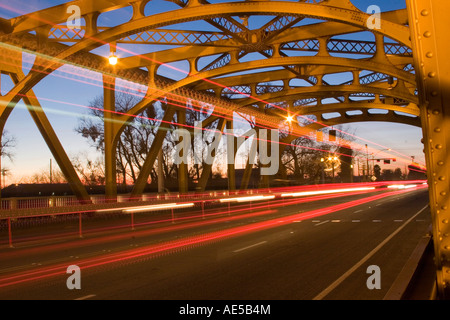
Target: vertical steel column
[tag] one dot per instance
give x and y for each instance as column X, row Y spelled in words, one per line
column 109, row 106
column 160, row 171
column 51, row 139
column 265, row 179
column 231, row 168
column 157, row 144
column 207, row 168
column 429, row 24
column 182, row 167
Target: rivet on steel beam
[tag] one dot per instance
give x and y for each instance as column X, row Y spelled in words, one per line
column 427, row 34
column 442, row 178
column 436, row 112
column 429, row 55
column 437, row 130
column 425, row 12
column 443, row 193
column 445, row 221
column 440, row 163
column 434, row 93
column 439, row 146
column 444, row 207
column 432, row 74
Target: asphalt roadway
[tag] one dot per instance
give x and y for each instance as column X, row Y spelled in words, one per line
column 285, row 252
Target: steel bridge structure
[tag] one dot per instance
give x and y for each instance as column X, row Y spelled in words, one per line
column 396, row 67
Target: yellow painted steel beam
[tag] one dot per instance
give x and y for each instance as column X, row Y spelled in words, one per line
column 207, row 168
column 183, row 183
column 231, row 170
column 429, row 33
column 328, row 91
column 59, row 14
column 190, row 13
column 411, row 109
column 157, row 144
column 366, row 116
column 111, row 138
column 52, row 141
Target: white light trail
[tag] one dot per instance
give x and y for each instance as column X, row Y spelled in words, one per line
column 313, row 193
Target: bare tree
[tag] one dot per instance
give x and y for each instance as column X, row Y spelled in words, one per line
column 136, row 139
column 91, row 172
column 8, row 142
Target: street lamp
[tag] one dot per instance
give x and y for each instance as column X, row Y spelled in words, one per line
column 333, row 161
column 113, row 59
column 322, row 162
column 367, row 160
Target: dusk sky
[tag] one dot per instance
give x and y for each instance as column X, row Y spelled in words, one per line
column 64, row 93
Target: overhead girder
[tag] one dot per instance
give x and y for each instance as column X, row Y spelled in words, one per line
column 343, row 16
column 400, row 74
column 189, row 13
column 412, row 109
column 58, row 14
column 366, row 116
column 328, row 91
column 228, row 46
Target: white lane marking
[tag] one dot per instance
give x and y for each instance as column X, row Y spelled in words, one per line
column 398, row 220
column 334, row 221
column 358, row 211
column 318, row 224
column 253, row 245
column 86, row 297
column 341, row 279
column 315, row 221
column 356, row 220
column 376, row 220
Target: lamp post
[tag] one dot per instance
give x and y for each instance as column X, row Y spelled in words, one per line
column 368, row 169
column 322, row 163
column 333, row 161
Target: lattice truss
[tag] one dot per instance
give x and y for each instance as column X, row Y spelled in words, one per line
column 264, row 59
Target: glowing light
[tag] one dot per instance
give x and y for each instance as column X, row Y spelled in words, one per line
column 113, row 59
column 246, row 199
column 158, row 207
column 402, row 186
column 311, row 193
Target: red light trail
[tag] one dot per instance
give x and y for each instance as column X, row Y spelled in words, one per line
column 151, row 251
